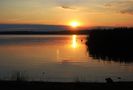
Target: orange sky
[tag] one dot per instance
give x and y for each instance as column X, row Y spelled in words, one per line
column 62, row 12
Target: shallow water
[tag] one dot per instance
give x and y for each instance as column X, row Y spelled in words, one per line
column 56, row 58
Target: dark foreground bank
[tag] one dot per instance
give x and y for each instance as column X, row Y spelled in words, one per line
column 15, row 85
column 111, row 45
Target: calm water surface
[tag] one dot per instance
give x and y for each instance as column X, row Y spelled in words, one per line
column 56, row 58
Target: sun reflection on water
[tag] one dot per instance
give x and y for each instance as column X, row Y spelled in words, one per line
column 74, row 41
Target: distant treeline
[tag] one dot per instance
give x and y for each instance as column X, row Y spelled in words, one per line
column 42, row 32
column 85, row 32
column 115, row 44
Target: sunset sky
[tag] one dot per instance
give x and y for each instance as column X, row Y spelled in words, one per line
column 62, row 12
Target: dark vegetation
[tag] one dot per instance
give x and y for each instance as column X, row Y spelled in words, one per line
column 25, row 85
column 115, row 44
column 20, row 82
column 66, row 32
column 58, row 32
column 37, row 32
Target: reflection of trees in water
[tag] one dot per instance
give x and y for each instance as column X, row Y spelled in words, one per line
column 115, row 45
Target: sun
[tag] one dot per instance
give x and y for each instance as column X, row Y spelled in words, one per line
column 74, row 24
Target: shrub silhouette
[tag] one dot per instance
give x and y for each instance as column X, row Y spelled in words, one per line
column 112, row 44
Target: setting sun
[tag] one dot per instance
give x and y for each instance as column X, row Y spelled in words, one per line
column 74, row 24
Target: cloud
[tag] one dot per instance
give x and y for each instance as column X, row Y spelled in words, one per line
column 128, row 10
column 67, row 7
column 69, row 4
column 70, row 1
column 124, row 7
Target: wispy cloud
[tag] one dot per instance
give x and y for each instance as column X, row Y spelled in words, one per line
column 67, row 7
column 128, row 10
column 70, row 2
column 125, row 7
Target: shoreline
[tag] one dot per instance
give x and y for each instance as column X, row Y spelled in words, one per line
column 36, row 85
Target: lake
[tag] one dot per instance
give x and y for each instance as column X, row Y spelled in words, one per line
column 62, row 58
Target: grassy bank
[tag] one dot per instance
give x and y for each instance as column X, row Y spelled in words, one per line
column 24, row 85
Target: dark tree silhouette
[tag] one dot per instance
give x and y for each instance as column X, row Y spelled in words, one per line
column 111, row 44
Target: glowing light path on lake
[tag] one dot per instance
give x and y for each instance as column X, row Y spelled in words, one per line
column 74, row 42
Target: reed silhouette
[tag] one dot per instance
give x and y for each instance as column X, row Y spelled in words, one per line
column 111, row 44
